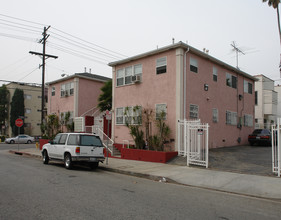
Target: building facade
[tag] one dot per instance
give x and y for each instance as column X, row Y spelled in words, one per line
column 185, row 83
column 266, row 99
column 32, row 107
column 77, row 94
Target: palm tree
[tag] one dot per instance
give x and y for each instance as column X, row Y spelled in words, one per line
column 275, row 5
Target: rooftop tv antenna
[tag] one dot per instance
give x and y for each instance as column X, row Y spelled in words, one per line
column 237, row 50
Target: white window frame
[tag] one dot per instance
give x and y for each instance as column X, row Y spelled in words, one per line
column 193, row 111
column 133, row 117
column 160, row 64
column 231, row 118
column 159, row 108
column 230, row 82
column 248, row 120
column 215, row 74
column 215, row 115
column 120, row 116
column 248, row 89
column 27, row 110
column 193, row 63
column 26, row 96
column 53, row 91
column 67, row 88
column 128, row 72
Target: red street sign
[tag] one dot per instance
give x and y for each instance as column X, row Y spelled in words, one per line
column 19, row 122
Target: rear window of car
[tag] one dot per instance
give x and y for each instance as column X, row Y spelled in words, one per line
column 257, row 131
column 89, row 140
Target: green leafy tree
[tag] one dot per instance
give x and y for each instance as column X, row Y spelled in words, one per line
column 105, row 98
column 275, row 5
column 51, row 127
column 17, row 110
column 4, row 102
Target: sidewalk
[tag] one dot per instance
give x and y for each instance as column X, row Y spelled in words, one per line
column 251, row 185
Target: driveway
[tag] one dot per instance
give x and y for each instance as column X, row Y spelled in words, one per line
column 255, row 160
column 242, row 159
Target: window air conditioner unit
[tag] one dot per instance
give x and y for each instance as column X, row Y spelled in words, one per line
column 136, row 79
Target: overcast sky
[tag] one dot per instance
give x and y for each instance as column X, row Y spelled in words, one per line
column 91, row 33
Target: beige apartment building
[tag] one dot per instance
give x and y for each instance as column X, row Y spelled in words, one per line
column 32, row 105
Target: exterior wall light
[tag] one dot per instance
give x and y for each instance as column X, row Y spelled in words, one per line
column 206, row 87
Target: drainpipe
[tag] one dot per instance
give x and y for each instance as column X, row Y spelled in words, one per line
column 184, row 85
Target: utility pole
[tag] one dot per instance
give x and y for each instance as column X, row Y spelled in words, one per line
column 44, row 57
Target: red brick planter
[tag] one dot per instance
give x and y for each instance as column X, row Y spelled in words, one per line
column 42, row 142
column 147, row 155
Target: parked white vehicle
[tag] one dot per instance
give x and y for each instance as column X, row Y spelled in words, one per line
column 74, row 148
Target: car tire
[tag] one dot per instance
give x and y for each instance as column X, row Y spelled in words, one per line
column 12, row 142
column 251, row 143
column 68, row 161
column 28, row 142
column 94, row 165
column 45, row 157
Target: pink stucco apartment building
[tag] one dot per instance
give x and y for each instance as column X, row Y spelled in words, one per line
column 77, row 93
column 186, row 83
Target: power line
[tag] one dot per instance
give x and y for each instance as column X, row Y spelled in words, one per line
column 90, row 42
column 19, row 19
column 71, row 51
column 18, row 37
column 85, row 47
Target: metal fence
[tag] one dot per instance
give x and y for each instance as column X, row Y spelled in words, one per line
column 276, row 147
column 192, row 142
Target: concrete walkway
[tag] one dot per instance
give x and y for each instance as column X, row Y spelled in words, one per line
column 251, row 185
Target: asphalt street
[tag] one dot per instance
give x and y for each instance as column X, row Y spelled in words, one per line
column 31, row 190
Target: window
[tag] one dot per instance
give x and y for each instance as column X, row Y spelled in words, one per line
column 215, row 74
column 256, row 97
column 215, row 115
column 53, row 91
column 193, row 65
column 63, row 138
column 66, row 89
column 27, row 110
column 231, row 118
column 161, row 65
column 124, row 75
column 248, row 120
column 231, row 80
column 161, row 111
column 27, row 96
column 119, row 116
column 128, row 75
column 193, row 111
column 129, row 115
column 120, row 77
column 248, row 87
column 73, row 139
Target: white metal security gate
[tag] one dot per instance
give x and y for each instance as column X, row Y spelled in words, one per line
column 276, row 148
column 192, row 142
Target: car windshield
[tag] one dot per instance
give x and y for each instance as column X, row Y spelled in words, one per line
column 90, row 140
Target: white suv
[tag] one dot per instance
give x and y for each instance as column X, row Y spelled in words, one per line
column 74, row 148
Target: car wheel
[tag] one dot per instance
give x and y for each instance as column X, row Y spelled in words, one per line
column 251, row 143
column 12, row 142
column 29, row 141
column 94, row 165
column 45, row 157
column 68, row 161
